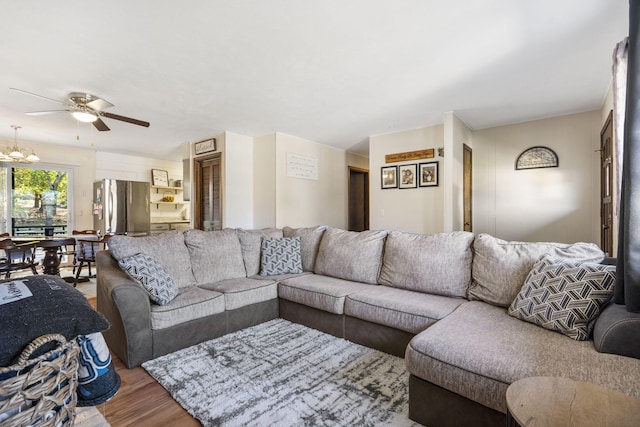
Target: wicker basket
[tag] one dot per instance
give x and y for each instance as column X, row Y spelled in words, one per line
column 41, row 391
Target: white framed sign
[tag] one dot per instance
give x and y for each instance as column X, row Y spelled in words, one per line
column 205, row 146
column 299, row 166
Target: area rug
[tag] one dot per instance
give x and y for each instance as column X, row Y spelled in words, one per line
column 285, row 374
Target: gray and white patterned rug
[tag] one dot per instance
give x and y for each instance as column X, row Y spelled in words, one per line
column 285, row 374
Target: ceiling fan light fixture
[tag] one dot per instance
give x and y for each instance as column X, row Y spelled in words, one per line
column 84, row 116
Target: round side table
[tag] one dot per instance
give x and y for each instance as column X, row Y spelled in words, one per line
column 555, row 401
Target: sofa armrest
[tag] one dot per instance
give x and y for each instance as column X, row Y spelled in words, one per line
column 617, row 331
column 126, row 305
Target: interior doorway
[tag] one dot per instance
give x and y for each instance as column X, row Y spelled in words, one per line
column 207, row 203
column 606, row 186
column 358, row 199
column 467, row 188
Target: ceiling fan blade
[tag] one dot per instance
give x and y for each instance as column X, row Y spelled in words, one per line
column 125, row 119
column 99, row 104
column 100, row 125
column 38, row 96
column 40, row 113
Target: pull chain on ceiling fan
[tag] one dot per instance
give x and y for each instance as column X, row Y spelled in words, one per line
column 86, row 108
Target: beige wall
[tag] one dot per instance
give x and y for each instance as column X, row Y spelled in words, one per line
column 238, row 167
column 554, row 204
column 416, row 210
column 264, row 181
column 305, row 202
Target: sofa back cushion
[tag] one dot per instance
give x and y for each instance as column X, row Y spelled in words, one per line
column 350, row 255
column 215, row 255
column 250, row 241
column 500, row 267
column 166, row 248
column 310, row 238
column 432, row 263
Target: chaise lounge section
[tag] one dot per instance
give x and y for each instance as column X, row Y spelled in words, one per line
column 442, row 301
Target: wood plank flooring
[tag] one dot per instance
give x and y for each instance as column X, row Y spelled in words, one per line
column 141, row 401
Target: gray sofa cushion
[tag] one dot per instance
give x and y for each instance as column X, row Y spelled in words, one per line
column 242, row 291
column 398, row 308
column 250, row 241
column 317, row 291
column 350, row 255
column 479, row 350
column 166, row 248
column 500, row 267
column 564, row 296
column 435, row 263
column 215, row 255
column 310, row 238
column 190, row 304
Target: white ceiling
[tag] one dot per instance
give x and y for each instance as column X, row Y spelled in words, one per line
column 331, row 71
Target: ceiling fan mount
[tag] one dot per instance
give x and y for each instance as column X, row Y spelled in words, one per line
column 85, row 107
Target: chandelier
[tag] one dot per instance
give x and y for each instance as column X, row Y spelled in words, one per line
column 15, row 153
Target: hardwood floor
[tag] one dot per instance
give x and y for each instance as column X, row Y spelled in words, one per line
column 141, row 401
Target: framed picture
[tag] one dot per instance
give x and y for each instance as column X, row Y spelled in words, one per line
column 407, row 176
column 159, row 177
column 389, row 177
column 428, row 174
column 205, row 146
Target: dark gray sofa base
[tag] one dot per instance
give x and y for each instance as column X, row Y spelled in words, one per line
column 373, row 335
column 432, row 405
column 174, row 338
column 323, row 321
column 252, row 315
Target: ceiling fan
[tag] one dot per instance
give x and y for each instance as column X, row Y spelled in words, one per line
column 85, row 108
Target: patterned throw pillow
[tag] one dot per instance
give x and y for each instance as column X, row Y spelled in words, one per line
column 152, row 276
column 280, row 255
column 564, row 296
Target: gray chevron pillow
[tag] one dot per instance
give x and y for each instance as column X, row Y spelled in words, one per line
column 564, row 296
column 280, row 255
column 152, row 276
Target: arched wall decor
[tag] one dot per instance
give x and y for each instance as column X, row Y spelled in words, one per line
column 537, row 157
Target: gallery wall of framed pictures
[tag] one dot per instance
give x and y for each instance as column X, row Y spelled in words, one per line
column 412, row 175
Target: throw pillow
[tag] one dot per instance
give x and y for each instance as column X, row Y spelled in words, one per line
column 564, row 296
column 152, row 276
column 39, row 305
column 280, row 255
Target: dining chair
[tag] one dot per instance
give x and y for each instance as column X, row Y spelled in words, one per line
column 86, row 250
column 69, row 251
column 17, row 257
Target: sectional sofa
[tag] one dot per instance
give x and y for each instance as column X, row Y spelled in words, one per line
column 458, row 307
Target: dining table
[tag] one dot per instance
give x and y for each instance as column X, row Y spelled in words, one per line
column 51, row 246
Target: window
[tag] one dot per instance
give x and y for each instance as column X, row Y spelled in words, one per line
column 35, row 198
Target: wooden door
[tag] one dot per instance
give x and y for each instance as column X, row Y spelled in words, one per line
column 606, row 186
column 208, row 209
column 467, row 189
column 358, row 199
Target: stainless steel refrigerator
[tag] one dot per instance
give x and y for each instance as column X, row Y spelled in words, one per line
column 121, row 207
